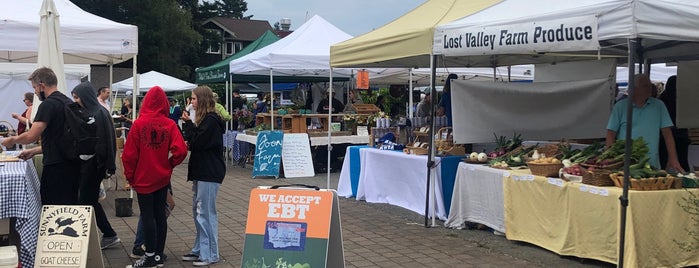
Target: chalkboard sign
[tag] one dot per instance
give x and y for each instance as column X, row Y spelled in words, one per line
column 296, row 156
column 268, row 153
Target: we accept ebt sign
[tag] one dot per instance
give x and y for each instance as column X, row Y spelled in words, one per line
column 566, row 34
column 288, row 226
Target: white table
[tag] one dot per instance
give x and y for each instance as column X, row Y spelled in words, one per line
column 397, row 179
column 315, row 141
column 20, row 198
column 477, row 197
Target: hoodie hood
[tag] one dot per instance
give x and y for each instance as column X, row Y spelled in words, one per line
column 88, row 96
column 155, row 103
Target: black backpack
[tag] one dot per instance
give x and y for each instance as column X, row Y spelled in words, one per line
column 79, row 134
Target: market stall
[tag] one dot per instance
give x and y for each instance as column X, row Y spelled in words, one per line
column 393, row 177
column 576, row 219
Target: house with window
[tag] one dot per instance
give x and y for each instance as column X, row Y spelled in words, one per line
column 235, row 34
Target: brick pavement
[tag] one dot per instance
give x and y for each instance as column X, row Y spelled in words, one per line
column 374, row 235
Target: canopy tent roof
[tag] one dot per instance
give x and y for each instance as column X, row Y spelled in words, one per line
column 85, row 38
column 151, row 79
column 406, row 41
column 302, row 56
column 218, row 72
column 667, row 30
column 303, row 53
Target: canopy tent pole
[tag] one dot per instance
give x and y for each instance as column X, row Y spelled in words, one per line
column 431, row 153
column 271, row 98
column 112, row 98
column 509, row 74
column 228, row 108
column 134, row 98
column 410, row 96
column 624, row 199
column 330, row 111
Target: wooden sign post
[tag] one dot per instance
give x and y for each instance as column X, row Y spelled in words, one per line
column 68, row 238
column 268, row 153
column 296, row 156
column 293, row 227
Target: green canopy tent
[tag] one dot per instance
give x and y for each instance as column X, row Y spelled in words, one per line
column 218, row 72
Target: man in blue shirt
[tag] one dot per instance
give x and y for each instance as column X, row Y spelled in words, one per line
column 650, row 119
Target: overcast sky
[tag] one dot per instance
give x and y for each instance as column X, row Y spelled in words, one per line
column 355, row 17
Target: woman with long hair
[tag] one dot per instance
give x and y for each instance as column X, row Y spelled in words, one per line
column 206, row 170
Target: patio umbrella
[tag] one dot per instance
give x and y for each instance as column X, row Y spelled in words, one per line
column 50, row 51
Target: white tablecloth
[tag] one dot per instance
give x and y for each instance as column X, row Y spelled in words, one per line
column 398, row 179
column 315, row 141
column 19, row 198
column 477, row 197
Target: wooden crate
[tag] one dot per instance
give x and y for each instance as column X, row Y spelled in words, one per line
column 694, row 135
column 366, row 108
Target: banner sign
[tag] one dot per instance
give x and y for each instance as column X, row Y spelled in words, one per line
column 569, row 34
column 293, row 228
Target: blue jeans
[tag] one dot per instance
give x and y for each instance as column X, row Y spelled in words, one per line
column 206, row 220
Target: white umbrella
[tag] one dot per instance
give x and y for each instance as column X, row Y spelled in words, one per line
column 50, row 51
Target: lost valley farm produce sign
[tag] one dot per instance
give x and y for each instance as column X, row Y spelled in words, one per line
column 569, row 34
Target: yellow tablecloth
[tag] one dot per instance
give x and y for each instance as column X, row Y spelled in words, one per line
column 582, row 220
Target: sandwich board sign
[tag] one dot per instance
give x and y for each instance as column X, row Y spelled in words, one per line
column 68, row 238
column 268, row 153
column 293, row 227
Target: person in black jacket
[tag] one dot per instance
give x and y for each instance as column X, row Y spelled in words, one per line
column 206, row 170
column 681, row 135
column 94, row 169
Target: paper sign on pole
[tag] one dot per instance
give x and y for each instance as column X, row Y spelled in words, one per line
column 362, row 79
column 68, row 238
column 293, row 227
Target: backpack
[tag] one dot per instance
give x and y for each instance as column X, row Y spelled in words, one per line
column 79, row 134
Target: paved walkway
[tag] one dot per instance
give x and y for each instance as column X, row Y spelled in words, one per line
column 374, row 235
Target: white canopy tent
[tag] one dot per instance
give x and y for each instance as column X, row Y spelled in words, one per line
column 303, row 53
column 630, row 31
column 151, row 79
column 14, row 83
column 85, row 38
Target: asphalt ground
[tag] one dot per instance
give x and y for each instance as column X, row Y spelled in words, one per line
column 374, row 235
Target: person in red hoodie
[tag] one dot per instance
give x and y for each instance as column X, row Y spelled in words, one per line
column 154, row 147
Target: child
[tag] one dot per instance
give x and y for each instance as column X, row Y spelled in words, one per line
column 154, row 147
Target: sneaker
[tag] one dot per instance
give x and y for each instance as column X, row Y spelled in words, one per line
column 160, row 260
column 203, row 263
column 137, row 252
column 145, row 262
column 190, row 257
column 109, row 241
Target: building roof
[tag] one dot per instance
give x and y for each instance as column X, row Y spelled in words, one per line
column 242, row 29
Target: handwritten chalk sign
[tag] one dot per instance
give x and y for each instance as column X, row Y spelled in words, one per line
column 268, row 153
column 296, row 156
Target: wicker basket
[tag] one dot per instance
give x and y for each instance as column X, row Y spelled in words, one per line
column 648, row 184
column 546, row 170
column 416, row 150
column 598, row 177
column 613, row 166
